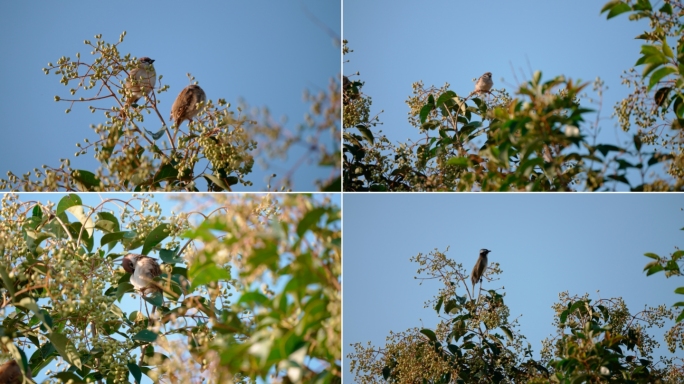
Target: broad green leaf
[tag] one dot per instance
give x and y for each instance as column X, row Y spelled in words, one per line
column 652, row 255
column 88, row 181
column 310, row 220
column 7, row 282
column 429, row 333
column 508, row 333
column 156, row 299
column 112, row 237
column 32, row 306
column 444, row 97
column 135, row 371
column 107, row 222
column 166, row 172
column 66, row 349
column 123, row 288
column 652, row 268
column 679, row 290
column 155, row 237
column 205, row 274
column 68, row 201
column 667, row 51
column 86, row 220
column 366, row 133
column 217, row 181
column 425, row 111
column 615, row 8
column 37, row 212
column 170, row 256
column 678, row 254
column 146, row 336
column 659, row 74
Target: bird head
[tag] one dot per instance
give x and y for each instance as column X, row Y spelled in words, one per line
column 146, row 60
column 129, row 262
column 484, row 252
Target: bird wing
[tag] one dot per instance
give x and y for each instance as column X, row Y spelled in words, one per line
column 183, row 102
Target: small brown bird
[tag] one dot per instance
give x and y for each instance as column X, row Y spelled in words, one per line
column 185, row 107
column 10, row 373
column 141, row 81
column 143, row 270
column 484, row 83
column 479, row 268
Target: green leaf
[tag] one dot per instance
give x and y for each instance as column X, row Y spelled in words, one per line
column 170, row 256
column 615, row 8
column 107, row 222
column 206, row 273
column 680, row 317
column 166, row 172
column 123, row 288
column 652, row 268
column 111, row 237
column 444, row 97
column 667, row 51
column 7, row 282
column 146, row 336
column 508, row 333
column 155, row 237
column 66, row 349
column 429, row 333
column 32, row 306
column 135, row 371
column 652, row 256
column 659, row 74
column 85, row 220
column 68, row 201
column 666, row 8
column 366, row 133
column 37, row 212
column 88, row 180
column 156, row 299
column 425, row 111
column 605, row 148
column 678, row 254
column 310, row 220
column 386, row 371
column 679, row 290
column 217, row 181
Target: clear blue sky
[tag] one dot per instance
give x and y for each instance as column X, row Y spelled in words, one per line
column 397, row 43
column 545, row 244
column 265, row 52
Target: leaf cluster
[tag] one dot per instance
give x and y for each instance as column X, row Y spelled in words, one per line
column 62, row 289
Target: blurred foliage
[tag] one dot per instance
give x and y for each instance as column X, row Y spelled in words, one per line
column 656, row 104
column 671, row 267
column 138, row 151
column 250, row 291
column 536, row 140
column 476, row 342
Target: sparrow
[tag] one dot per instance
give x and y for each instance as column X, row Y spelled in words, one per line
column 480, row 266
column 143, row 270
column 185, row 107
column 141, row 81
column 484, row 83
